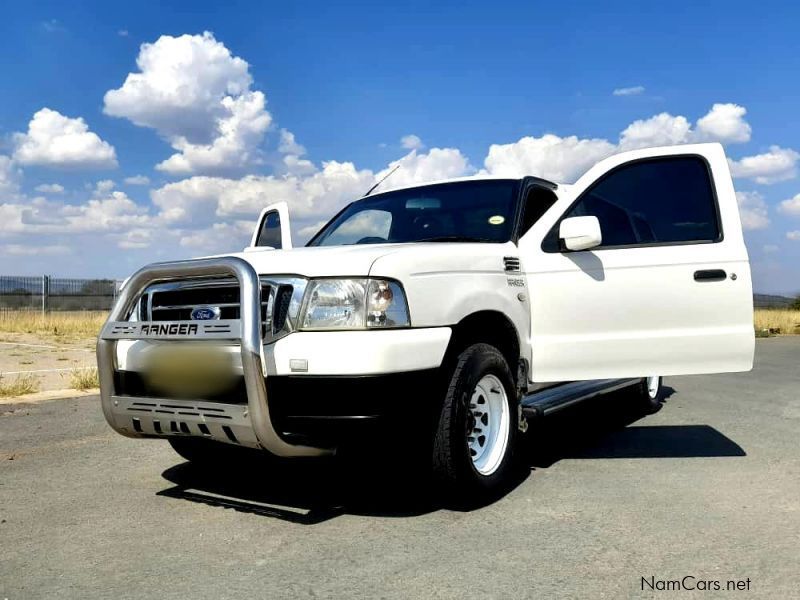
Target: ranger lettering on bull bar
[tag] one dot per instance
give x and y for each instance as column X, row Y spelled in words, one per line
column 169, row 329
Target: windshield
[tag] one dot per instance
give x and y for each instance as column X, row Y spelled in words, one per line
column 465, row 211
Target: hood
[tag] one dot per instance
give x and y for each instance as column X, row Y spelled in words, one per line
column 317, row 261
column 358, row 261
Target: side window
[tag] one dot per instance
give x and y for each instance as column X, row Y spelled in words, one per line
column 658, row 201
column 270, row 234
column 537, row 201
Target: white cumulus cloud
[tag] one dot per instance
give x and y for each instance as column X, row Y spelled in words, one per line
column 629, row 91
column 236, row 145
column 137, row 180
column 660, row 130
column 752, row 210
column 288, row 144
column 549, row 156
column 724, row 123
column 34, row 250
column 50, row 188
column 417, row 167
column 55, row 140
column 135, row 239
column 104, row 186
column 779, row 164
column 293, row 161
column 793, row 235
column 220, row 237
column 791, row 206
column 192, row 91
column 411, row 142
column 9, row 178
column 105, row 211
column 564, row 159
column 202, row 200
column 196, row 95
column 204, row 203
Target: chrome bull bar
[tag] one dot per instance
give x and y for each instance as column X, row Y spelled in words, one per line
column 246, row 330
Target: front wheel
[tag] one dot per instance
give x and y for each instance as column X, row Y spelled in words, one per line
column 476, row 432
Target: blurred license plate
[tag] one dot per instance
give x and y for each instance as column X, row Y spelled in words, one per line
column 189, row 370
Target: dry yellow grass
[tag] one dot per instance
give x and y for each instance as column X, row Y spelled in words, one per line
column 782, row 321
column 19, row 386
column 67, row 325
column 84, row 379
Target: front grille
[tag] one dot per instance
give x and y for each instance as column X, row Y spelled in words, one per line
column 177, row 305
column 175, row 302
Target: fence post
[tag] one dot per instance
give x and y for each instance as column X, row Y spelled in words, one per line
column 45, row 293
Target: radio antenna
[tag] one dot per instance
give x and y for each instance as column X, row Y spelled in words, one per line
column 384, row 178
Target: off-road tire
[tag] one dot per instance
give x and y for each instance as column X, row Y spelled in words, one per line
column 452, row 461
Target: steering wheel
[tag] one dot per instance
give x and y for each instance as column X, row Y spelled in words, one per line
column 372, row 239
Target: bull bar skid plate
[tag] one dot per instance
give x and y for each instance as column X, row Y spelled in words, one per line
column 246, row 331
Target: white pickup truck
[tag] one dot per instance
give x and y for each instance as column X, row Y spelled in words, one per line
column 454, row 311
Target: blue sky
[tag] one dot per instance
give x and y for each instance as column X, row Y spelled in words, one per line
column 321, row 95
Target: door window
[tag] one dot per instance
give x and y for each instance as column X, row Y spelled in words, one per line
column 270, row 234
column 650, row 202
column 537, row 201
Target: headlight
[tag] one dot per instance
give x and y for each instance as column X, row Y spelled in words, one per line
column 353, row 304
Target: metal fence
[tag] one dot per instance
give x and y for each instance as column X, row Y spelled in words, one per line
column 47, row 293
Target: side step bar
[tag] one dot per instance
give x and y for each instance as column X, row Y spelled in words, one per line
column 550, row 400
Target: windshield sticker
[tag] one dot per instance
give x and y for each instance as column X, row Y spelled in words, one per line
column 497, row 220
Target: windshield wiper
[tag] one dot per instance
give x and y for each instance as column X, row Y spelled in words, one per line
column 454, row 238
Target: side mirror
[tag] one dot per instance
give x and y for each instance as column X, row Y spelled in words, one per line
column 580, row 233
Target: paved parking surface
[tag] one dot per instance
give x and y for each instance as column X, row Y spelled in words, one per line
column 708, row 487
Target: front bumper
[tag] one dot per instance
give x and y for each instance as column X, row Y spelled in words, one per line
column 299, row 388
column 314, row 410
column 334, row 353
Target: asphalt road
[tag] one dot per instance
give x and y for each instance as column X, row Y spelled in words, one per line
column 708, row 487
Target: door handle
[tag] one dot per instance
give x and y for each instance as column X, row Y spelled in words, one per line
column 710, row 275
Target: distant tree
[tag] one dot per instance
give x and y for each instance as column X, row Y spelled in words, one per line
column 796, row 304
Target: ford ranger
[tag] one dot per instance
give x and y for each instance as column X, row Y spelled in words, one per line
column 456, row 310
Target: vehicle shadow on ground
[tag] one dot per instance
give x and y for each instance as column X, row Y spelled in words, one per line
column 606, row 429
column 312, row 491
column 305, row 491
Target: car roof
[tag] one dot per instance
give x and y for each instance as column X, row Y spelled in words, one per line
column 479, row 177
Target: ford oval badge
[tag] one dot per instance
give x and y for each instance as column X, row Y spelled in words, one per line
column 206, row 313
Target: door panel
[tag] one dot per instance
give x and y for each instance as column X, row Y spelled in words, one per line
column 638, row 308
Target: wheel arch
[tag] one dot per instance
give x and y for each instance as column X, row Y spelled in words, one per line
column 489, row 327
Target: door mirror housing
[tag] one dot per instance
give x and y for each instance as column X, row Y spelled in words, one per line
column 580, row 233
